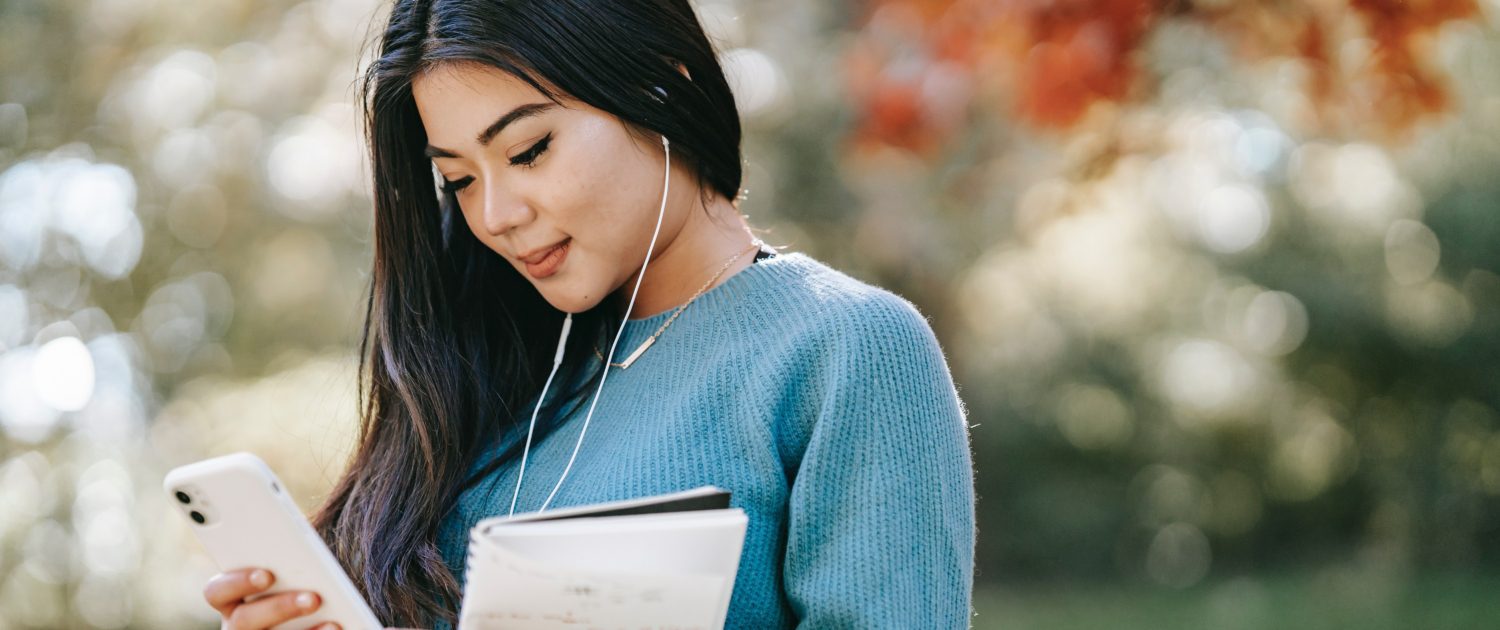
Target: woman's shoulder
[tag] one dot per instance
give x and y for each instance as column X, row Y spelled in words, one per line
column 861, row 350
column 806, row 295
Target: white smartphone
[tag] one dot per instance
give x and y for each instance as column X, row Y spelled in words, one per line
column 243, row 516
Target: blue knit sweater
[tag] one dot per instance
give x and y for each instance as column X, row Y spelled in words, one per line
column 825, row 406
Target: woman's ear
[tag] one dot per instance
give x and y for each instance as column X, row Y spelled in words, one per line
column 683, row 69
column 661, row 92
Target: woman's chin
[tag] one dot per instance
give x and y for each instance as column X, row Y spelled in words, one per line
column 569, row 302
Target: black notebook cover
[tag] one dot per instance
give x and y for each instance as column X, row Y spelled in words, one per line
column 717, row 500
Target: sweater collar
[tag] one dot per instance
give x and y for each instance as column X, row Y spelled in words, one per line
column 717, row 297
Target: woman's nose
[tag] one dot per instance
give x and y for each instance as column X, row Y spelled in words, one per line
column 504, row 210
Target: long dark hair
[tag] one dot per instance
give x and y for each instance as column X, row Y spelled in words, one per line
column 456, row 342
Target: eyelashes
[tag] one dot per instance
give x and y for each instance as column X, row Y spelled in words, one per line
column 455, row 186
column 526, row 159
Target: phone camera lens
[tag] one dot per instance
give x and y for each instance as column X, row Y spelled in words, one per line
column 183, row 497
column 197, row 517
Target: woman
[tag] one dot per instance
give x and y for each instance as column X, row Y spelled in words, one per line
column 581, row 143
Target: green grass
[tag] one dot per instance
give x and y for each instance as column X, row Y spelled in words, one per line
column 1327, row 599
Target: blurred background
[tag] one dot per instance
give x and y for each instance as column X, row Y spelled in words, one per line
column 1219, row 282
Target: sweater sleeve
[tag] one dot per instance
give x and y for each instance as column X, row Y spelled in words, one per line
column 880, row 527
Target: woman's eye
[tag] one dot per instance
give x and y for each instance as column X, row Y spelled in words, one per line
column 455, row 186
column 529, row 156
column 525, row 159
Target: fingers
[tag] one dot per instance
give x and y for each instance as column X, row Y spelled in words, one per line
column 227, row 590
column 269, row 611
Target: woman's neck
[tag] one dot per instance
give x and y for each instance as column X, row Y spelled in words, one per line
column 706, row 241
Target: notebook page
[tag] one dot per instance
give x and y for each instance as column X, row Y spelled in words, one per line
column 510, row 591
column 684, row 542
column 668, row 571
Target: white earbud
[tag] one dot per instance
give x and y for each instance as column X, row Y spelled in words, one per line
column 562, row 343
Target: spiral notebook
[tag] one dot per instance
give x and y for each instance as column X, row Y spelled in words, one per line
column 666, row 561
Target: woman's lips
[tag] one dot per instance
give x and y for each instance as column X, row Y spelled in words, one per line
column 549, row 264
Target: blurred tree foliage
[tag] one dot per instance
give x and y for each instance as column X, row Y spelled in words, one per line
column 1229, row 293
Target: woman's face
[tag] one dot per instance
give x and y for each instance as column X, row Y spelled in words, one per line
column 530, row 175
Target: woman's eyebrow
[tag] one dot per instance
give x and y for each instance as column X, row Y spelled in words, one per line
column 521, row 112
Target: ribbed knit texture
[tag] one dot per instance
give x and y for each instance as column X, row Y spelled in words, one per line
column 825, row 406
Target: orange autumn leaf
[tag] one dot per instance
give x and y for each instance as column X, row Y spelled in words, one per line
column 1046, row 63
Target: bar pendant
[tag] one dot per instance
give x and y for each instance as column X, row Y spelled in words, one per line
column 635, row 355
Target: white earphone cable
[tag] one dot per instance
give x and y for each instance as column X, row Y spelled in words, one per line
column 562, row 342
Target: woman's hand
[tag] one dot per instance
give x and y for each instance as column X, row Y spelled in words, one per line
column 227, row 591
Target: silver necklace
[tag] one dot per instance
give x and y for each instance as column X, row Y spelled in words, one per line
column 652, row 339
